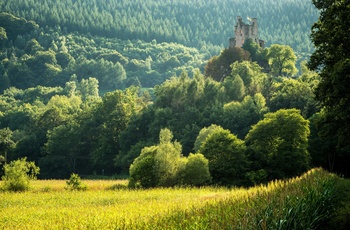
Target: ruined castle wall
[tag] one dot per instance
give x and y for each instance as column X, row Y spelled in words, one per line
column 245, row 31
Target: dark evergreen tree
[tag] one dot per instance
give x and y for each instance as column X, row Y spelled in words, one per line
column 330, row 34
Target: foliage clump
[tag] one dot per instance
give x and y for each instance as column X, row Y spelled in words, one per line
column 278, row 145
column 18, row 173
column 196, row 170
column 226, row 155
column 163, row 165
column 75, row 183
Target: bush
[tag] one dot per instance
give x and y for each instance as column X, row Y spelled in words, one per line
column 18, row 173
column 143, row 173
column 227, row 161
column 196, row 170
column 74, row 183
column 163, row 165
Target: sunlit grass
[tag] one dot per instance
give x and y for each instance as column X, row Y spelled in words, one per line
column 48, row 205
column 59, row 185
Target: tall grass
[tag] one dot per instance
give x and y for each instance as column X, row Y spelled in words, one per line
column 301, row 203
column 305, row 202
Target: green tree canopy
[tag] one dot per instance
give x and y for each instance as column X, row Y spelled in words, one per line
column 239, row 116
column 279, row 142
column 282, row 60
column 3, row 36
column 330, row 35
column 6, row 142
column 219, row 67
column 292, row 93
column 203, row 134
column 196, row 171
column 226, row 155
column 251, row 74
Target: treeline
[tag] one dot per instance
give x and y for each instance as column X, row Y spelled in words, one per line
column 72, row 129
column 31, row 56
column 201, row 24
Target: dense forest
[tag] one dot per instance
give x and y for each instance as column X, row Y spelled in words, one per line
column 205, row 25
column 139, row 44
column 91, row 91
column 34, row 56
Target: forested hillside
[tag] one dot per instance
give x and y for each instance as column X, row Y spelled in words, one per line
column 86, row 95
column 31, row 55
column 204, row 24
column 123, row 43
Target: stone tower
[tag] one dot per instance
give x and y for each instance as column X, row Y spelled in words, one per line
column 245, row 31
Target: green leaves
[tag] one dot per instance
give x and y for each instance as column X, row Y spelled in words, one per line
column 279, row 143
column 282, row 60
column 226, row 155
column 330, row 35
column 6, row 142
column 17, row 174
column 163, row 165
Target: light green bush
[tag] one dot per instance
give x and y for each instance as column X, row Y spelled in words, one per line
column 18, row 173
column 163, row 165
column 75, row 183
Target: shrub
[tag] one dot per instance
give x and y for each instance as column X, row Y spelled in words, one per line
column 196, row 170
column 143, row 173
column 18, row 173
column 163, row 165
column 74, row 183
column 227, row 160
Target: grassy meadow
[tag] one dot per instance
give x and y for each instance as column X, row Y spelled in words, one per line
column 305, row 202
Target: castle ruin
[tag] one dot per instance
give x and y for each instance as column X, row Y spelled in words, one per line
column 245, row 31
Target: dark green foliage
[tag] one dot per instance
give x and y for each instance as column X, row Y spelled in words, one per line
column 196, row 171
column 238, row 117
column 15, row 26
column 291, row 93
column 143, row 172
column 278, row 144
column 203, row 134
column 6, row 142
column 257, row 54
column 219, row 67
column 226, row 155
column 331, row 61
column 203, row 24
column 340, row 218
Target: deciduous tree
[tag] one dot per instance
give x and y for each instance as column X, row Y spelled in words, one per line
column 330, row 35
column 282, row 60
column 279, row 142
column 6, row 142
column 226, row 155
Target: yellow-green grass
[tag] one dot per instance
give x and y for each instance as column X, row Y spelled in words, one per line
column 49, row 206
column 61, row 185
